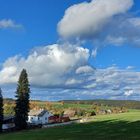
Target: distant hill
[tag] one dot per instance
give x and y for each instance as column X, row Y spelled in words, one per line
column 131, row 104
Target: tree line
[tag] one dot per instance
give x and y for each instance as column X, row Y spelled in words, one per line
column 22, row 102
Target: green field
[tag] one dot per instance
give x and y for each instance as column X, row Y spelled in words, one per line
column 124, row 126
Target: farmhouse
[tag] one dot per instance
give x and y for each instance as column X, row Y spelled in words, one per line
column 39, row 116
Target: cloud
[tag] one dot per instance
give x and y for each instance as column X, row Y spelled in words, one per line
column 102, row 22
column 9, row 23
column 129, row 92
column 130, row 67
column 84, row 69
column 58, row 68
column 122, row 30
column 88, row 19
column 65, row 74
column 108, row 83
column 48, row 66
column 94, row 52
column 63, row 69
column 115, row 82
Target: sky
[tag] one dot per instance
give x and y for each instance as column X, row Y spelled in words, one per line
column 71, row 49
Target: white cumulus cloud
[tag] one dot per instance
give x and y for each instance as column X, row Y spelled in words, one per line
column 88, row 18
column 47, row 66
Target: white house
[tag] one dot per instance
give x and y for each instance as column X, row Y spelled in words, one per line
column 39, row 116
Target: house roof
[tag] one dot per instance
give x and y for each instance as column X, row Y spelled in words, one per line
column 38, row 113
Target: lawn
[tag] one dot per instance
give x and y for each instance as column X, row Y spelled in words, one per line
column 125, row 126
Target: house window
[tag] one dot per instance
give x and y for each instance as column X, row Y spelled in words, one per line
column 38, row 118
column 45, row 118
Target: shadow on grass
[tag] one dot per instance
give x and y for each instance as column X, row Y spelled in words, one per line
column 112, row 129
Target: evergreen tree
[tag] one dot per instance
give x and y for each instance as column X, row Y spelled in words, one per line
column 22, row 101
column 1, row 110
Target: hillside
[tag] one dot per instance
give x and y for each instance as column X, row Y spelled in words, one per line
column 124, row 126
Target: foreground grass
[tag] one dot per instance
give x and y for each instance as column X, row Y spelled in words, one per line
column 125, row 126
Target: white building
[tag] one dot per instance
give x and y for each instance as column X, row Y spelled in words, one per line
column 39, row 116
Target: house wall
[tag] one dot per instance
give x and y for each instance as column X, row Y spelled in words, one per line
column 34, row 119
column 45, row 118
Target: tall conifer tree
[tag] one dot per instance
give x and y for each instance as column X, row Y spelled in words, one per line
column 22, row 101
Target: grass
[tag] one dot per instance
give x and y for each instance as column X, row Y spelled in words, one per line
column 125, row 126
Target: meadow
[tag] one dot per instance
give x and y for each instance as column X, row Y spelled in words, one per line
column 123, row 126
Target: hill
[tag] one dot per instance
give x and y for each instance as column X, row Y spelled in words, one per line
column 124, row 126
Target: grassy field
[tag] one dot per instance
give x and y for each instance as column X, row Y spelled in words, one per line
column 125, row 126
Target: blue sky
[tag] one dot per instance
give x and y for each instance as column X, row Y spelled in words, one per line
column 39, row 20
column 32, row 29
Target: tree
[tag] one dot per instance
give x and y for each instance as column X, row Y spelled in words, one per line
column 22, row 101
column 1, row 110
